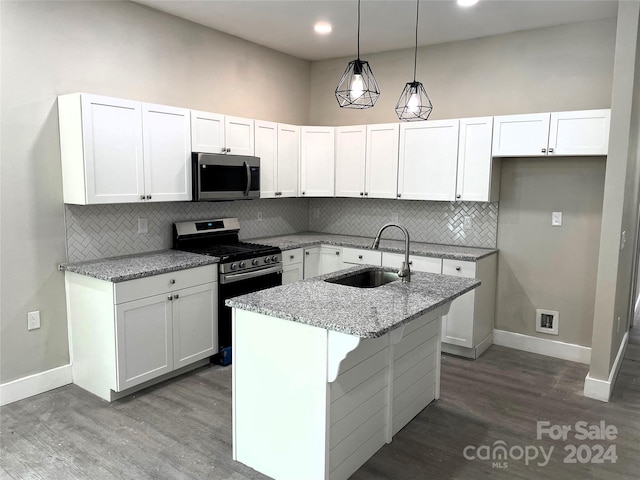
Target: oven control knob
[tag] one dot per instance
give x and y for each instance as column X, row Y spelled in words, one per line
column 255, row 262
column 274, row 259
column 267, row 259
column 233, row 266
column 243, row 264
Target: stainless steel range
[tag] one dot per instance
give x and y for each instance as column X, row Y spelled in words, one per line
column 244, row 267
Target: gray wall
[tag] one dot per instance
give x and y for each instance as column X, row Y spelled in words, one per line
column 567, row 67
column 120, row 49
column 620, row 205
column 540, row 266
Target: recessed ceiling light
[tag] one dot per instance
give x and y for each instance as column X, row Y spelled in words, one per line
column 467, row 3
column 322, row 28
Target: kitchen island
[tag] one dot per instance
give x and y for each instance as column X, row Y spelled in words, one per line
column 325, row 374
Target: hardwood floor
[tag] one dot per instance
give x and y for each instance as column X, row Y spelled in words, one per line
column 182, row 428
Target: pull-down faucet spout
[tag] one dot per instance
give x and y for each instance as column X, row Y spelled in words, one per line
column 405, row 272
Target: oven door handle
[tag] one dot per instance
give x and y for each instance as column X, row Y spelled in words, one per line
column 236, row 277
column 246, row 192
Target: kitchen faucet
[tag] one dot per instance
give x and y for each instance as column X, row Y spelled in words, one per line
column 404, row 273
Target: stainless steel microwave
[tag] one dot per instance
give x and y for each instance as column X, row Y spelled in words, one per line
column 225, row 177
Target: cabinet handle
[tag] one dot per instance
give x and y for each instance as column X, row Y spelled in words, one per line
column 291, row 257
column 337, row 253
column 302, row 193
column 544, row 150
column 410, row 262
column 148, row 197
column 228, row 150
column 458, row 196
column 366, row 194
column 142, row 197
column 169, row 298
column 172, row 281
column 176, row 296
column 399, row 195
column 360, row 257
column 458, row 269
column 306, row 253
column 551, row 150
column 361, row 193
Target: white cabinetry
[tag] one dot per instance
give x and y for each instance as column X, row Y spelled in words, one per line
column 468, row 327
column 126, row 334
column 216, row 133
column 559, row 133
column 416, row 263
column 278, row 147
column 292, row 266
column 382, row 160
column 321, row 260
column 428, row 160
column 317, row 161
column 354, row 256
column 350, row 161
column 478, row 172
column 122, row 151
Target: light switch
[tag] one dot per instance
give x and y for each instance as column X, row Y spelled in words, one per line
column 556, row 219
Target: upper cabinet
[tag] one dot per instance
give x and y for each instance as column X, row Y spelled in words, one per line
column 216, row 133
column 317, row 161
column 560, row 133
column 478, row 173
column 428, row 160
column 350, row 160
column 278, row 146
column 122, row 151
column 382, row 160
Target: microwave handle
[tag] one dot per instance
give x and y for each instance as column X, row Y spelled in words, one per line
column 246, row 192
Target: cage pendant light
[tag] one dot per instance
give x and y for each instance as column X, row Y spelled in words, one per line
column 414, row 103
column 358, row 87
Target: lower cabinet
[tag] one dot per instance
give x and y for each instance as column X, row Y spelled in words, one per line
column 467, row 329
column 292, row 266
column 353, row 256
column 416, row 263
column 321, row 260
column 129, row 333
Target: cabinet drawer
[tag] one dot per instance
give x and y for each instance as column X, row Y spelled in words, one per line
column 459, row 268
column 416, row 263
column 360, row 257
column 290, row 257
column 165, row 282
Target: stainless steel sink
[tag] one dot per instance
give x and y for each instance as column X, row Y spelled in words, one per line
column 366, row 279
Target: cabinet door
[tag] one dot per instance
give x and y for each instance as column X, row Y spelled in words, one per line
column 113, row 151
column 580, row 133
column 167, row 153
column 382, row 160
column 428, row 160
column 475, row 163
column 457, row 325
column 207, row 132
column 521, row 135
column 292, row 273
column 416, row 263
column 266, row 146
column 143, row 340
column 354, row 256
column 195, row 325
column 288, row 160
column 311, row 262
column 350, row 161
column 330, row 259
column 239, row 134
column 317, row 162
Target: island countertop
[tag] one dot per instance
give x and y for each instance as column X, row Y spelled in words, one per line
column 310, row 239
column 361, row 312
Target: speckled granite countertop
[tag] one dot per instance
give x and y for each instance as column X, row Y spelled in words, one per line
column 309, row 239
column 119, row 269
column 363, row 312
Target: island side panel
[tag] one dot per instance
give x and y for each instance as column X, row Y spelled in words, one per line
column 280, row 396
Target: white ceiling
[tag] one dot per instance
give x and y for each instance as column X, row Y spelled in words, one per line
column 287, row 25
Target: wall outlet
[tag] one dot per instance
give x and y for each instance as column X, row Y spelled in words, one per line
column 556, row 219
column 467, row 223
column 259, row 216
column 394, row 217
column 547, row 321
column 143, row 225
column 33, row 320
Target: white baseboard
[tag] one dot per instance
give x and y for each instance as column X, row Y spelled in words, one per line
column 601, row 389
column 542, row 346
column 34, row 384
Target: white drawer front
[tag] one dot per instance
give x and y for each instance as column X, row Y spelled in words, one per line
column 369, row 257
column 290, row 257
column 416, row 263
column 165, row 282
column 459, row 268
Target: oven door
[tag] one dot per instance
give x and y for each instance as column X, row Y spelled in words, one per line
column 225, row 177
column 234, row 285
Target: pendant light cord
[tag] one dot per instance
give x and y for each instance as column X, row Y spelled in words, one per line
column 415, row 55
column 358, row 29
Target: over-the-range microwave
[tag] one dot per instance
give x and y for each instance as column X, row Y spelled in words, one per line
column 225, row 177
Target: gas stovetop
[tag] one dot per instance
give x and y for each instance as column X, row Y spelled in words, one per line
column 219, row 238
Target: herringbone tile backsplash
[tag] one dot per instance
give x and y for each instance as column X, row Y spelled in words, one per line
column 98, row 231
column 432, row 222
